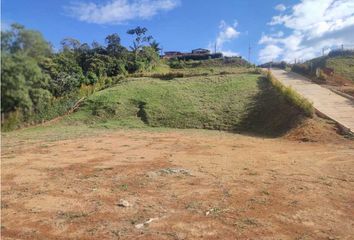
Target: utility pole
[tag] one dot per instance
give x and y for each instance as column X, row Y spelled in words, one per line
column 249, row 52
column 323, row 52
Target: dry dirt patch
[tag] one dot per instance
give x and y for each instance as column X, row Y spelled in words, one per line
column 179, row 185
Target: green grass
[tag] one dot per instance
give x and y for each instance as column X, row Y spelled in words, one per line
column 342, row 65
column 234, row 102
column 292, row 96
column 216, row 102
column 242, row 101
column 192, row 72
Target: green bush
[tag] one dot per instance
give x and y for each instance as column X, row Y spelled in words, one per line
column 11, row 120
column 168, row 76
column 303, row 69
column 176, row 64
column 55, row 108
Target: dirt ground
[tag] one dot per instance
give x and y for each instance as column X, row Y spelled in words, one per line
column 130, row 184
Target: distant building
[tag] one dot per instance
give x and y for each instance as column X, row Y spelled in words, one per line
column 172, row 54
column 196, row 54
column 200, row 51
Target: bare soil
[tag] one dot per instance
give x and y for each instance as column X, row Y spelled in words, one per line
column 178, row 185
column 338, row 83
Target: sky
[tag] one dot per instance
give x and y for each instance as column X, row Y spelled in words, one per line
column 274, row 30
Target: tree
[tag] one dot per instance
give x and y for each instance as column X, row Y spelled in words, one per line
column 65, row 83
column 150, row 57
column 62, row 68
column 22, row 78
column 98, row 48
column 28, row 42
column 114, row 47
column 14, row 91
column 156, row 46
column 33, row 75
column 140, row 38
column 70, row 44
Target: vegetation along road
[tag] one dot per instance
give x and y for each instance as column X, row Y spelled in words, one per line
column 334, row 106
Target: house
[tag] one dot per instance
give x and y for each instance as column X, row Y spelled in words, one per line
column 172, row 53
column 200, row 51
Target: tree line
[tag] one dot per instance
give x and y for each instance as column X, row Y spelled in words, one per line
column 38, row 83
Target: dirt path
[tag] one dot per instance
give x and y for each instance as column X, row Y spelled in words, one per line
column 179, row 185
column 336, row 107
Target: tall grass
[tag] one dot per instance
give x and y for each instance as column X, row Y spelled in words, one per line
column 292, row 96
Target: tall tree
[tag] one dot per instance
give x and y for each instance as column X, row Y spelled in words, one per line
column 70, row 44
column 28, row 42
column 114, row 47
column 23, row 83
column 141, row 37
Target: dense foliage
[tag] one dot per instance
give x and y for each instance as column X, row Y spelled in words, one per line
column 35, row 79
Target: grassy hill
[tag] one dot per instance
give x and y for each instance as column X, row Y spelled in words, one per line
column 235, row 102
column 342, row 65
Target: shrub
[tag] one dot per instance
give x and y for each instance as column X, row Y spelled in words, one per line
column 292, row 96
column 176, row 64
column 301, row 69
column 104, row 109
column 168, row 76
column 322, row 76
column 11, row 120
column 55, row 108
column 86, row 90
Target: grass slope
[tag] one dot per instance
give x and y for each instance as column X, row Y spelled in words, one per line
column 217, row 102
column 241, row 102
column 342, row 65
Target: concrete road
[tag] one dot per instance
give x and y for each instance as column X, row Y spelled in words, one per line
column 334, row 106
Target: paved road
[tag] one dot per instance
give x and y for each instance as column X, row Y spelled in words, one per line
column 334, row 106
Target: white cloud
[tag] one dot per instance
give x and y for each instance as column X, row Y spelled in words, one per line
column 270, row 53
column 313, row 25
column 226, row 33
column 119, row 11
column 280, row 7
column 278, row 34
column 229, row 53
